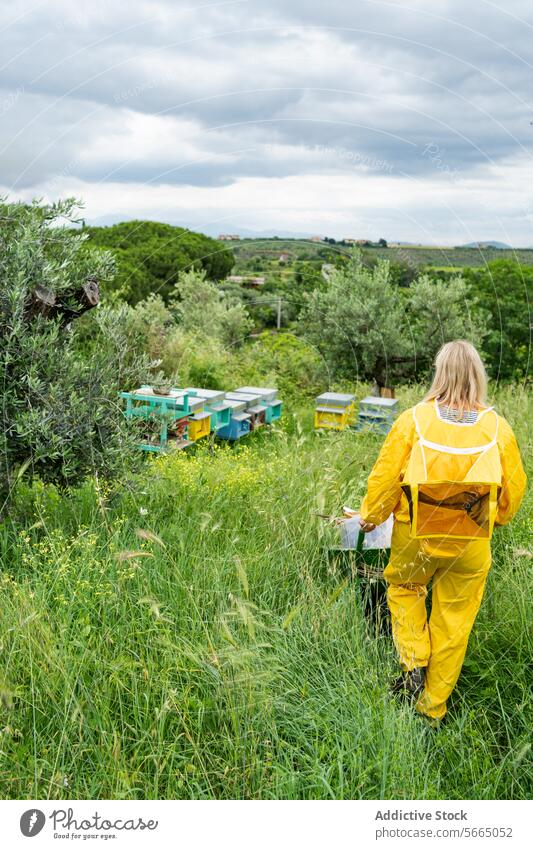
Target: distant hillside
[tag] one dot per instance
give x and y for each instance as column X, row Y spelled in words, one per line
column 501, row 246
column 150, row 255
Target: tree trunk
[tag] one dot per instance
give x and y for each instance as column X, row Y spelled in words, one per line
column 72, row 304
column 42, row 302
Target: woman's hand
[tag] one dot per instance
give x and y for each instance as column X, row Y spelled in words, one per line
column 366, row 527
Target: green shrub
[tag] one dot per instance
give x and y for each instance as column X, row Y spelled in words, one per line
column 61, row 418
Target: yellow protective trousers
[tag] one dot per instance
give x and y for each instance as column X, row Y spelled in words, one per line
column 458, row 585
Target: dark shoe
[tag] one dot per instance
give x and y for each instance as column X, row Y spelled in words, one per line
column 410, row 684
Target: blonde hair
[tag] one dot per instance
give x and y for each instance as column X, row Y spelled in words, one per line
column 460, row 379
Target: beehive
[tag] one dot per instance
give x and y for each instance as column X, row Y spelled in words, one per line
column 273, row 411
column 268, row 397
column 249, row 398
column 335, row 410
column 199, row 425
column 377, row 413
column 211, row 396
column 239, row 424
column 215, row 404
column 220, row 415
column 333, row 418
column 257, row 415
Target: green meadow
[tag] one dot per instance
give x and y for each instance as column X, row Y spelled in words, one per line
column 181, row 633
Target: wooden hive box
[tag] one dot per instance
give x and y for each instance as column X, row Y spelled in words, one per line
column 342, row 400
column 239, row 426
column 273, row 411
column 258, row 415
column 220, row 415
column 199, row 425
column 212, row 396
column 376, row 413
column 266, row 395
column 249, row 398
column 331, row 418
column 215, row 404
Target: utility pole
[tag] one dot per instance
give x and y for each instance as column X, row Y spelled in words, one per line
column 279, row 314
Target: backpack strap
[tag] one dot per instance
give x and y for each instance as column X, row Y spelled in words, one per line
column 448, row 449
column 420, row 440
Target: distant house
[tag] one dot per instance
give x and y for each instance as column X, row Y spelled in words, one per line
column 228, row 237
column 365, row 243
column 251, row 282
column 317, row 239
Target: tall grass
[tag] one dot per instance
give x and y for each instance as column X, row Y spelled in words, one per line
column 181, row 635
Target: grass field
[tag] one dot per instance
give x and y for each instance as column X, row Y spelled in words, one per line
column 179, row 635
column 419, row 256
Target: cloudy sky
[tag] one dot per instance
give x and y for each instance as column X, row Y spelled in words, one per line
column 407, row 120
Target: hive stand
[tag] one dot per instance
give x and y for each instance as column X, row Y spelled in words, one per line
column 334, row 410
column 376, row 414
column 169, row 412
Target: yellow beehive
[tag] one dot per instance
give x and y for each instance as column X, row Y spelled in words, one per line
column 335, row 410
column 199, row 426
column 334, row 418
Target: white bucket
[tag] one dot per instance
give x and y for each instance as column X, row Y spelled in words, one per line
column 380, row 537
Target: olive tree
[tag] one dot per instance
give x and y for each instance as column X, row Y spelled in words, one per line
column 369, row 328
column 60, row 372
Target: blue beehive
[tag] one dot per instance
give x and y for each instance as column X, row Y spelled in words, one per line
column 377, row 413
column 239, row 424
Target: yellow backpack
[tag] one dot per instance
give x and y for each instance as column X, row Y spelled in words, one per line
column 453, row 476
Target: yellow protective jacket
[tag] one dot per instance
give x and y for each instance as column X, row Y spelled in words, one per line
column 385, row 496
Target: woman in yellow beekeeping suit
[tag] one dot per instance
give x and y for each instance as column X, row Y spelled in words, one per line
column 449, row 470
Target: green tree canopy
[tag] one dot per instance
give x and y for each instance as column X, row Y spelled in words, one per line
column 60, row 412
column 505, row 290
column 150, row 256
column 367, row 327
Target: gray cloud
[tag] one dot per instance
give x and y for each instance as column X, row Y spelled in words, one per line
column 208, row 94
